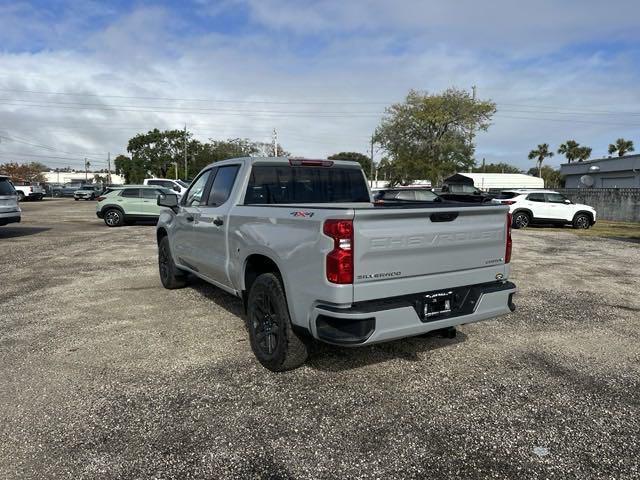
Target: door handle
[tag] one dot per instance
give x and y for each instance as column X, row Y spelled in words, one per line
column 217, row 222
column 444, row 216
column 189, row 218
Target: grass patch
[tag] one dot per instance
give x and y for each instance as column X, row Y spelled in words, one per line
column 618, row 230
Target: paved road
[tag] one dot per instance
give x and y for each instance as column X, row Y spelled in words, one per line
column 103, row 374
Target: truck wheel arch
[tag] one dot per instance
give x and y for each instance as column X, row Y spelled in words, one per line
column 255, row 265
column 160, row 234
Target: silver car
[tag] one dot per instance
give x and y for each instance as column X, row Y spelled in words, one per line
column 9, row 209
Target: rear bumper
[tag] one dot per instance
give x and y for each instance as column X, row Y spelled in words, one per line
column 393, row 318
column 9, row 217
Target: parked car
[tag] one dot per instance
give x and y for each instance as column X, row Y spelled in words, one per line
column 178, row 186
column 69, row 189
column 9, row 208
column 464, row 193
column 301, row 243
column 53, row 189
column 87, row 192
column 404, row 195
column 545, row 206
column 28, row 191
column 129, row 204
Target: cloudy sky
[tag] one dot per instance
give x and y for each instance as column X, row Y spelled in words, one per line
column 79, row 78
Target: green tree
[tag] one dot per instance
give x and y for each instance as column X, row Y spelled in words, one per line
column 621, row 146
column 573, row 151
column 363, row 160
column 539, row 155
column 583, row 153
column 551, row 176
column 569, row 150
column 429, row 136
column 133, row 169
column 496, row 168
column 157, row 150
column 31, row 172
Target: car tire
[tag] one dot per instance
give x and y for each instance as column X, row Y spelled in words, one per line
column 170, row 275
column 113, row 217
column 521, row 220
column 273, row 341
column 21, row 196
column 76, row 199
column 581, row 221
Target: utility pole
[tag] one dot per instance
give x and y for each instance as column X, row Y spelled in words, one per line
column 109, row 167
column 186, row 170
column 371, row 170
column 86, row 169
column 176, row 165
column 473, row 97
column 275, row 143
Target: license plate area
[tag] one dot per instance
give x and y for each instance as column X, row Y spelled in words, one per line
column 437, row 304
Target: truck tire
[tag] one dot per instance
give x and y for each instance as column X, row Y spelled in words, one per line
column 170, row 275
column 113, row 217
column 582, row 221
column 21, row 196
column 273, row 341
column 521, row 220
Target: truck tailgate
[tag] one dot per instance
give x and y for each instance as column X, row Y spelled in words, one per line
column 399, row 251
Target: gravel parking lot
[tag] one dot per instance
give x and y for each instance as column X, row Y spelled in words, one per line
column 104, row 374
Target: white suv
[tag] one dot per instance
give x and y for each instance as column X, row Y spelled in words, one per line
column 177, row 186
column 545, row 206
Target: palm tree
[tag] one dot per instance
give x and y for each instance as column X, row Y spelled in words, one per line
column 539, row 155
column 569, row 150
column 583, row 153
column 621, row 146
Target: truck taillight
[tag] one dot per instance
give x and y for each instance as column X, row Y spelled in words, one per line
column 31, row 189
column 507, row 253
column 340, row 259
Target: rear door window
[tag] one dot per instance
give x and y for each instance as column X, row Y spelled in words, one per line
column 150, row 193
column 286, row 184
column 536, row 197
column 130, row 193
column 6, row 188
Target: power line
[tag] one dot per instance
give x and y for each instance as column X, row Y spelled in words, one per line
column 212, row 100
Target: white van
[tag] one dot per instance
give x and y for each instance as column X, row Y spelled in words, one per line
column 177, row 186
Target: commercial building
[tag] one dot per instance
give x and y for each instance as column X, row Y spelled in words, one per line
column 610, row 172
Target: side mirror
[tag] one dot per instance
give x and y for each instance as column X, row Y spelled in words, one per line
column 567, row 201
column 168, row 200
column 176, row 188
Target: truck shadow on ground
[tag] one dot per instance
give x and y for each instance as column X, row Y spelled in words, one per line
column 332, row 358
column 14, row 232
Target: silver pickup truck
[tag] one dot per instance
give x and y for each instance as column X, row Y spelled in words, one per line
column 312, row 257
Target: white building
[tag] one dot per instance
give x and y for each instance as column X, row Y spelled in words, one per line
column 79, row 176
column 495, row 181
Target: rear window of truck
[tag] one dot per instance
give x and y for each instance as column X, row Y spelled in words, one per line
column 286, row 184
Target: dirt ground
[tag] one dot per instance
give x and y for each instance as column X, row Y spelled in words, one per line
column 104, row 374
